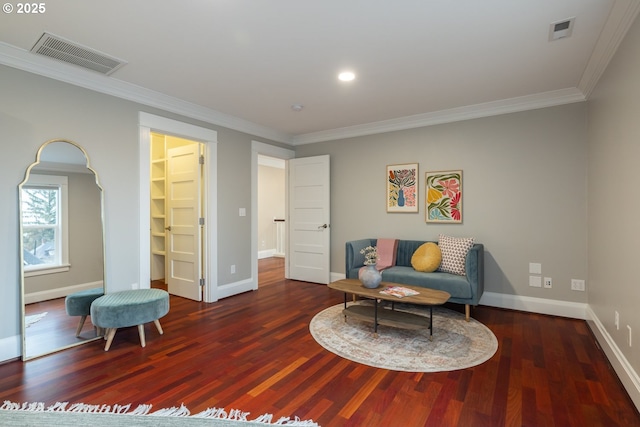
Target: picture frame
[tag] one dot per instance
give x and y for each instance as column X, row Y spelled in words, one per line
column 443, row 197
column 402, row 188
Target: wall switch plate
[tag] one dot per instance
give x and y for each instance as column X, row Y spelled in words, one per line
column 242, row 212
column 616, row 320
column 233, row 269
column 535, row 268
column 535, row 281
column 629, row 328
column 548, row 283
column 577, row 285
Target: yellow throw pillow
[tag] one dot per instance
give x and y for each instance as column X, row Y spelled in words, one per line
column 426, row 258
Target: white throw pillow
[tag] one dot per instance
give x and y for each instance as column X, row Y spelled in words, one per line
column 454, row 253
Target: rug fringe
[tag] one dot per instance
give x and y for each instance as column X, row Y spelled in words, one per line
column 145, row 409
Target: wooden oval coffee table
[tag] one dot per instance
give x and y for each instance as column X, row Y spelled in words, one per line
column 390, row 317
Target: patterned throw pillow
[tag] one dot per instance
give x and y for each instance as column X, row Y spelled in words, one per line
column 454, row 253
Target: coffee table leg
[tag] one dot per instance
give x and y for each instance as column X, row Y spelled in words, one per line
column 375, row 318
column 430, row 323
column 345, row 305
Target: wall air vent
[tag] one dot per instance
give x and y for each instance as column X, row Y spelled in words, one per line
column 561, row 29
column 73, row 53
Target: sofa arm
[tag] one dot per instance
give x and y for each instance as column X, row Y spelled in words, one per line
column 474, row 266
column 353, row 257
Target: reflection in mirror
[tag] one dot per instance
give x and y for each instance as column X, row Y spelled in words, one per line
column 62, row 246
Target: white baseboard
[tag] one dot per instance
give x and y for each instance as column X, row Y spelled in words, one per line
column 574, row 310
column 235, row 288
column 628, row 376
column 267, row 253
column 59, row 292
column 10, row 348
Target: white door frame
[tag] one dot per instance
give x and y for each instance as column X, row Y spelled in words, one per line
column 279, row 153
column 150, row 122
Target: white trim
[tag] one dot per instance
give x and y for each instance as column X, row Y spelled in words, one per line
column 257, row 149
column 628, row 376
column 622, row 15
column 150, row 122
column 60, row 292
column 574, row 310
column 23, row 60
column 487, row 109
column 235, row 288
column 266, row 253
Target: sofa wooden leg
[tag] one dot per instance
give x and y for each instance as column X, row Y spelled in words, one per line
column 467, row 312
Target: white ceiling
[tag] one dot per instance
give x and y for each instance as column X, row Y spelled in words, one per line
column 243, row 63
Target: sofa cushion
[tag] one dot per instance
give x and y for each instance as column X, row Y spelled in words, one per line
column 457, row 286
column 454, row 253
column 426, row 258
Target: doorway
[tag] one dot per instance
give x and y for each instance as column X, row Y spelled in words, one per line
column 147, row 124
column 271, row 217
column 176, row 206
column 274, row 156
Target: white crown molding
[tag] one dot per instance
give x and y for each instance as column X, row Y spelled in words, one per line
column 18, row 58
column 494, row 108
column 622, row 15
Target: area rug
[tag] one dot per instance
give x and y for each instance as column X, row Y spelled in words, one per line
column 457, row 344
column 30, row 320
column 78, row 414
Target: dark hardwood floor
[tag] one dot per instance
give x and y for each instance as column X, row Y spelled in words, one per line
column 254, row 352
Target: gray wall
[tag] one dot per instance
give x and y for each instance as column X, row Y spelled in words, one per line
column 85, row 237
column 614, row 151
column 35, row 109
column 524, row 193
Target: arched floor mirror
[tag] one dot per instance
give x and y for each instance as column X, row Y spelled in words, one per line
column 61, row 245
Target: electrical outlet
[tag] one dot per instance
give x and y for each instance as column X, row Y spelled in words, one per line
column 535, row 268
column 535, row 281
column 548, row 283
column 233, row 269
column 577, row 285
column 617, row 320
column 629, row 328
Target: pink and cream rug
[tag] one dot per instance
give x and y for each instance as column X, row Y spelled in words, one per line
column 457, row 344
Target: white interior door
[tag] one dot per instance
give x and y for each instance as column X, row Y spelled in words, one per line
column 183, row 222
column 309, row 233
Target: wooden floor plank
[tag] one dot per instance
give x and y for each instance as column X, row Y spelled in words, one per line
column 253, row 352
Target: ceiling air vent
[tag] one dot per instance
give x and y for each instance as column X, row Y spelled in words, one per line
column 73, row 53
column 561, row 29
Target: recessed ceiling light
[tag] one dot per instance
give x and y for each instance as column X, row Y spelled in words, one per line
column 346, row 76
column 297, row 107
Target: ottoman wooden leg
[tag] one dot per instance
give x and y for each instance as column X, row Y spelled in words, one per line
column 141, row 333
column 157, row 322
column 111, row 332
column 80, row 325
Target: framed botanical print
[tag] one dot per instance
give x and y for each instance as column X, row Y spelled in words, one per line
column 402, row 188
column 444, row 196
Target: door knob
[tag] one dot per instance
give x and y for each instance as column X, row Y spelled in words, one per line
column 322, row 226
column 168, row 228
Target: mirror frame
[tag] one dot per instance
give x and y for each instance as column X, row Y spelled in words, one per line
column 21, row 257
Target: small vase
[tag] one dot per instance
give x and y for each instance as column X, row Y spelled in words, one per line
column 370, row 276
column 401, row 197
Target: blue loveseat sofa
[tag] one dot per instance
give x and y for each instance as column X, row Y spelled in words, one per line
column 465, row 290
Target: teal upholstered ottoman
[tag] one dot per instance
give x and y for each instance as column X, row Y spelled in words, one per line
column 129, row 308
column 79, row 304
